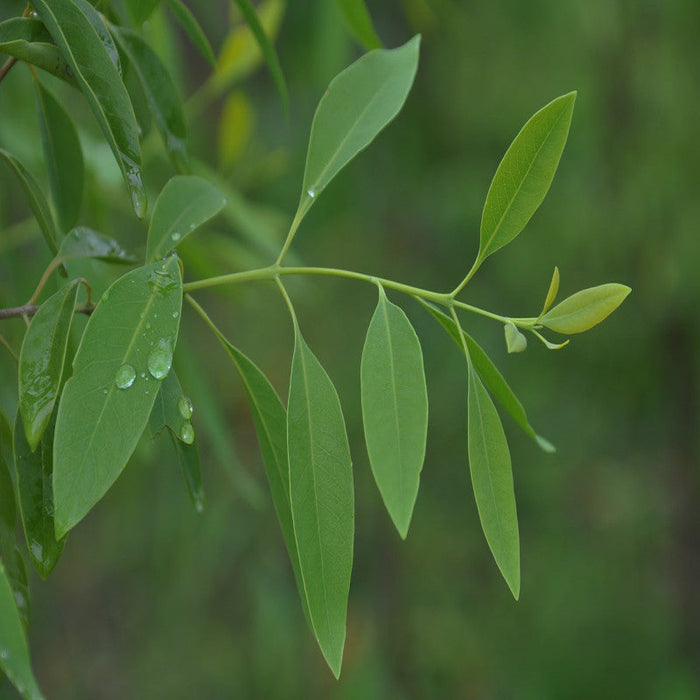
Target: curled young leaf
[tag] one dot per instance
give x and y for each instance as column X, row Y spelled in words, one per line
column 551, row 292
column 515, row 340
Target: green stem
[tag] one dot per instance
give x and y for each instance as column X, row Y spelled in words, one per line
column 465, row 281
column 304, row 206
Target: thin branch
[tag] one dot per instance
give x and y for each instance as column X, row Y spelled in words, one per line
column 5, row 69
column 28, row 310
column 9, row 349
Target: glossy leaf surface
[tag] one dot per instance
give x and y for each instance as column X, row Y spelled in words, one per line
column 394, row 408
column 585, row 309
column 99, row 25
column 82, row 242
column 192, row 28
column 357, row 105
column 322, row 498
column 42, row 359
column 34, row 469
column 185, row 203
column 125, row 352
column 525, row 174
column 360, row 23
column 492, row 480
column 101, row 84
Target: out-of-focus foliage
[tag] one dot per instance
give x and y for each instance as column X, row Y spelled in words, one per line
column 153, row 600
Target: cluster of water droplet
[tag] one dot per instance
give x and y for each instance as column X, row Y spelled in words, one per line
column 184, row 406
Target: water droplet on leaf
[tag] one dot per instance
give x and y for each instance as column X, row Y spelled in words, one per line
column 161, row 359
column 126, row 375
column 176, row 236
column 187, row 433
column 311, row 192
column 184, row 405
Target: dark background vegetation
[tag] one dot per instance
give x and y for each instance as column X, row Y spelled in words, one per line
column 152, row 600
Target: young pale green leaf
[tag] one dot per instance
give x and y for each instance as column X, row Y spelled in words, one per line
column 125, row 352
column 585, row 309
column 490, row 374
column 547, row 343
column 357, row 105
column 62, row 154
column 322, row 498
column 360, row 23
column 192, row 28
column 101, row 84
column 492, row 480
column 163, row 99
column 14, row 652
column 394, row 408
column 33, row 469
column 36, row 198
column 185, row 203
column 551, row 292
column 266, row 48
column 141, row 10
column 42, row 359
column 515, row 340
column 525, row 174
column 83, row 242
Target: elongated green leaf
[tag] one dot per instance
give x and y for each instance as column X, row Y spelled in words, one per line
column 551, row 292
column 186, row 202
column 125, row 352
column 141, row 10
column 63, row 154
column 14, row 652
column 515, row 340
column 394, row 408
column 26, row 38
column 83, row 242
column 322, row 498
column 192, row 28
column 525, row 174
column 490, row 374
column 34, row 469
column 101, row 84
column 357, row 105
column 585, row 309
column 8, row 510
column 99, row 25
column 360, row 22
column 266, row 48
column 41, row 361
column 492, row 480
column 35, row 197
column 164, row 102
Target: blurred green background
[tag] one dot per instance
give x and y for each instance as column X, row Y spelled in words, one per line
column 152, row 600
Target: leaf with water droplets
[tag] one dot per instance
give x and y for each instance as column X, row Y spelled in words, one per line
column 82, row 242
column 360, row 22
column 100, row 82
column 98, row 423
column 41, row 360
column 192, row 28
column 185, row 203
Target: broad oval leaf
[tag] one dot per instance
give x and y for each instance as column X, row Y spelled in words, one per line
column 492, row 480
column 14, row 652
column 34, row 468
column 101, row 84
column 36, row 198
column 192, row 28
column 322, row 498
column 525, row 174
column 186, row 202
column 63, row 154
column 125, row 352
column 515, row 340
column 357, row 105
column 83, row 242
column 42, row 359
column 394, row 408
column 585, row 309
column 360, row 23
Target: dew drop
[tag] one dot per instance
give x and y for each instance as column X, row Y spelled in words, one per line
column 3, row 654
column 148, row 326
column 187, row 433
column 160, row 360
column 311, row 192
column 105, row 296
column 126, row 375
column 175, row 314
column 184, row 405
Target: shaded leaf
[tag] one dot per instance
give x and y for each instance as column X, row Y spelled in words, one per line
column 515, row 340
column 235, row 127
column 186, row 202
column 141, row 10
column 42, row 359
column 100, row 27
column 192, row 28
column 525, row 174
column 83, row 242
column 8, row 509
column 360, row 22
column 128, row 342
column 585, row 309
column 322, row 498
column 394, row 408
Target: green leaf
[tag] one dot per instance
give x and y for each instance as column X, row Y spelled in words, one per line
column 163, row 99
column 360, row 22
column 492, row 480
column 186, row 202
column 192, row 28
column 266, row 48
column 490, row 374
column 63, row 154
column 525, row 174
column 83, row 242
column 14, row 652
column 357, row 105
column 26, row 38
column 35, row 197
column 128, row 342
column 141, row 10
column 322, row 498
column 101, row 84
column 8, row 509
column 551, row 292
column 34, row 468
column 585, row 309
column 42, row 359
column 394, row 408
column 515, row 340
column 98, row 24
